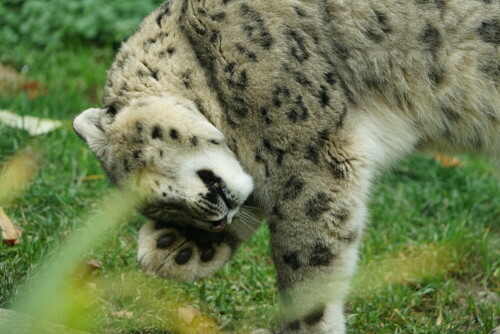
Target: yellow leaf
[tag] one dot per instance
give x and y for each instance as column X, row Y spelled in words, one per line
column 188, row 314
column 448, row 160
column 123, row 314
column 93, row 177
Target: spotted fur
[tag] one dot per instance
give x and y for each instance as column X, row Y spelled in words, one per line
column 306, row 101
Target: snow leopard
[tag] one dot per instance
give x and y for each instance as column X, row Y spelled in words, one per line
column 293, row 106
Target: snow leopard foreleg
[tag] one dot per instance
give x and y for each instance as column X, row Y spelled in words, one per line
column 316, row 225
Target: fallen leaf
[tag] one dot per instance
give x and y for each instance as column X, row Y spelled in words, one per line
column 123, row 314
column 94, row 264
column 188, row 314
column 439, row 320
column 448, row 160
column 10, row 233
column 33, row 125
column 33, row 88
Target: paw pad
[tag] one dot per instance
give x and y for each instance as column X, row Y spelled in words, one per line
column 183, row 256
column 182, row 253
column 165, row 241
column 208, row 255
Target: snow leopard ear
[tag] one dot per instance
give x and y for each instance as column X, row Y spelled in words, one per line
column 87, row 126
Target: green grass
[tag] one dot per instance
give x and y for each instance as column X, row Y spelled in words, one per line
column 417, row 208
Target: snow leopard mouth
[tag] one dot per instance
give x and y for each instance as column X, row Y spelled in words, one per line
column 218, row 225
column 179, row 217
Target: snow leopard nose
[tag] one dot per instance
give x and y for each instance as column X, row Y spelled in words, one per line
column 209, row 178
column 215, row 187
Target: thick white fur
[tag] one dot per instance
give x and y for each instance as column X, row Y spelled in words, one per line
column 395, row 108
column 175, row 170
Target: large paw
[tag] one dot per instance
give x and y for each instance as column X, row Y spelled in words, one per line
column 183, row 254
column 495, row 330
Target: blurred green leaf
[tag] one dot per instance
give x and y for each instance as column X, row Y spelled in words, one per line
column 52, row 24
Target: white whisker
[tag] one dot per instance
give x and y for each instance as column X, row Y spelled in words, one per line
column 249, row 207
column 247, row 225
column 250, row 216
column 247, row 221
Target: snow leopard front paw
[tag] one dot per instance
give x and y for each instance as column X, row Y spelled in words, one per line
column 183, row 253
